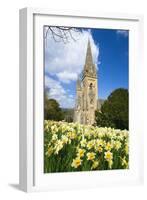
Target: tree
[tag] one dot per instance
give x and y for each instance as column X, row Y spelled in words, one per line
column 52, row 110
column 61, row 33
column 114, row 111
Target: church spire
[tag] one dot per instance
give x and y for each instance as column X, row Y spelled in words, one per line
column 88, row 60
column 89, row 67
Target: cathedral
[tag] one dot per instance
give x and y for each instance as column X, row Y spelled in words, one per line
column 86, row 92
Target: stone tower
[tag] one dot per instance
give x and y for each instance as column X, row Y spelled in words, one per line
column 86, row 92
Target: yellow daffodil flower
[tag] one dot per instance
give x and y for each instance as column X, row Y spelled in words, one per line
column 91, row 156
column 80, row 153
column 90, row 144
column 108, row 146
column 108, row 156
column 95, row 165
column 76, row 162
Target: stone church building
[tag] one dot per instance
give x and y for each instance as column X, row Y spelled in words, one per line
column 86, row 92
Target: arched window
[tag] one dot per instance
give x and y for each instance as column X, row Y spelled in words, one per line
column 91, row 93
column 91, row 86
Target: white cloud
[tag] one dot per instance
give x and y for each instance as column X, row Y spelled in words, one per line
column 56, row 91
column 66, row 76
column 122, row 33
column 66, row 61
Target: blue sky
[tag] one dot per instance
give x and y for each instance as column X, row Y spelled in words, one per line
column 64, row 62
column 113, row 57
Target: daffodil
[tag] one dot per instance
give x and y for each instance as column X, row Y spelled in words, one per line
column 108, row 146
column 76, row 162
column 117, row 145
column 83, row 142
column 54, row 137
column 99, row 142
column 108, row 156
column 91, row 155
column 54, row 129
column 120, row 137
column 90, row 144
column 64, row 139
column 99, row 149
column 94, row 165
column 101, row 134
column 80, row 153
column 71, row 135
column 58, row 146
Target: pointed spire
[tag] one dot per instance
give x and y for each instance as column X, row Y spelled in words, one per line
column 89, row 68
column 89, row 60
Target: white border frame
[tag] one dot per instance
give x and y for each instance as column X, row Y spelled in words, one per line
column 27, row 88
